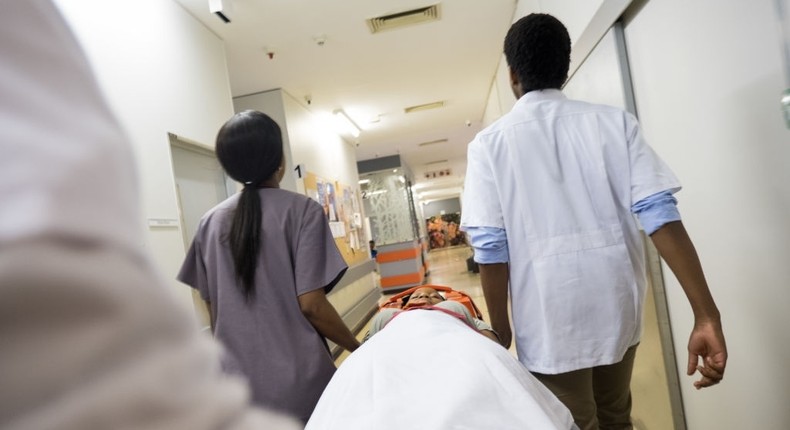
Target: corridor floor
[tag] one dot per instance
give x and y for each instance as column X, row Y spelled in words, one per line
column 651, row 407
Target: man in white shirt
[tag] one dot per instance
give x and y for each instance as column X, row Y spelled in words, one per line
column 91, row 337
column 549, row 196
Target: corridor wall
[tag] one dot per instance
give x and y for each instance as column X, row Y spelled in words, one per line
column 708, row 79
column 162, row 72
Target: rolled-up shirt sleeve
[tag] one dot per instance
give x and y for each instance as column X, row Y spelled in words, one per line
column 656, row 210
column 489, row 243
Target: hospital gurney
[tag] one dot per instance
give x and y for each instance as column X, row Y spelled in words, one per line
column 429, row 370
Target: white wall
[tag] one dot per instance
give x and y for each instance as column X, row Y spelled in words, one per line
column 161, row 71
column 576, row 15
column 309, row 140
column 708, row 79
column 317, row 146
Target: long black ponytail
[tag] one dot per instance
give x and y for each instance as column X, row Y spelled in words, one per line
column 250, row 150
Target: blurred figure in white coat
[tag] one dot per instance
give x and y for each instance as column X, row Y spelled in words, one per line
column 90, row 336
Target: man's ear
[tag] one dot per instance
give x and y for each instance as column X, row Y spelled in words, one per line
column 515, row 84
column 513, row 77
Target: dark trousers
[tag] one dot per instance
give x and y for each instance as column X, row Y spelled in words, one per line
column 598, row 397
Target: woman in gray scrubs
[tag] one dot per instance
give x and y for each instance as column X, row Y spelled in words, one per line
column 263, row 261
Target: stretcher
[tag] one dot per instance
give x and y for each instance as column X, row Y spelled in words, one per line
column 427, row 370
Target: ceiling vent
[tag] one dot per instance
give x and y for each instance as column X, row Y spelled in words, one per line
column 434, row 105
column 435, row 162
column 432, row 142
column 402, row 19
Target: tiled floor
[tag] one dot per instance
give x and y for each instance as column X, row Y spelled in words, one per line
column 651, row 410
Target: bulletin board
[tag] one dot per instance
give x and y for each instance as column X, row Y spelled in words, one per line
column 342, row 209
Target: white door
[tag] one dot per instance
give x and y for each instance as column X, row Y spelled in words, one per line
column 200, row 185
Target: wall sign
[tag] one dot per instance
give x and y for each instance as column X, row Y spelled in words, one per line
column 438, row 174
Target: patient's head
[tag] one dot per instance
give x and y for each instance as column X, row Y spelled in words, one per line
column 425, row 296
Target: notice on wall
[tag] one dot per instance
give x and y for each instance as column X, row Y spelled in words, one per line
column 338, row 229
column 342, row 209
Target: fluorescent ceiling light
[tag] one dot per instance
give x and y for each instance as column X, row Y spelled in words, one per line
column 432, row 142
column 364, row 181
column 426, row 106
column 345, row 123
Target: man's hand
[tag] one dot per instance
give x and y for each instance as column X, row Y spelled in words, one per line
column 707, row 343
column 707, row 339
column 505, row 336
column 494, row 280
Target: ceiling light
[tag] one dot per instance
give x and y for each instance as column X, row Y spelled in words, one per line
column 345, row 123
column 364, row 181
column 432, row 142
column 426, row 106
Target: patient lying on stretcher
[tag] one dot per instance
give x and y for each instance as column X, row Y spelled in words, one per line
column 429, row 298
column 427, row 355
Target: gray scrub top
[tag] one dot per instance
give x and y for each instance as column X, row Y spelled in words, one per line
column 268, row 339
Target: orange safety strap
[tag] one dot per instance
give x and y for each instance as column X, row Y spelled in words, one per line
column 461, row 317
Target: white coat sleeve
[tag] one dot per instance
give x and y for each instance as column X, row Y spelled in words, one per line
column 649, row 173
column 481, row 203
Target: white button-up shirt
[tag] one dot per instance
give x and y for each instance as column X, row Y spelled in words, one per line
column 560, row 176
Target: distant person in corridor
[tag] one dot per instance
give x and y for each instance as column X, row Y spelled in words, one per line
column 549, row 196
column 264, row 260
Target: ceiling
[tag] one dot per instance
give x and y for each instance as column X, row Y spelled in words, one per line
column 324, row 52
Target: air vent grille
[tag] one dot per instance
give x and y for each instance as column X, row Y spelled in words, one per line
column 401, row 19
column 435, row 162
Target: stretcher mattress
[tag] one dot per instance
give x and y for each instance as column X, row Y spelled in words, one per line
column 428, row 370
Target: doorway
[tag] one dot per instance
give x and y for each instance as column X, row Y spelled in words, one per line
column 201, row 184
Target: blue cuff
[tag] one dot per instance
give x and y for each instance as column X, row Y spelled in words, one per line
column 656, row 210
column 489, row 243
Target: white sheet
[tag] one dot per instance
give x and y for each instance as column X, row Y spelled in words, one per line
column 428, row 370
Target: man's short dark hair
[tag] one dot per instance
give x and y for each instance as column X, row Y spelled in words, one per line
column 538, row 49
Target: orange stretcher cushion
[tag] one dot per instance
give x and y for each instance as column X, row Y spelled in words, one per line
column 397, row 300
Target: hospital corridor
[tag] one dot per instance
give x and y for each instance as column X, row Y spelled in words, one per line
column 394, row 214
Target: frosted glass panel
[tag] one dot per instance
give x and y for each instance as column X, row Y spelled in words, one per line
column 388, row 206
